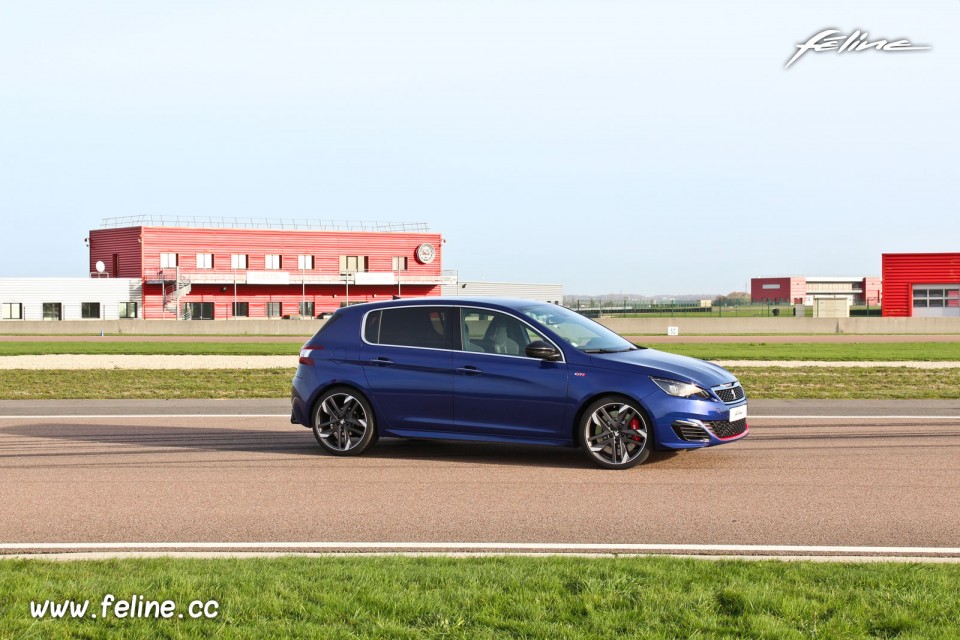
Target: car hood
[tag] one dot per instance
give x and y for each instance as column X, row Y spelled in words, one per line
column 659, row 363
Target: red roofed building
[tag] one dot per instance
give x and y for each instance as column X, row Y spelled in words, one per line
column 216, row 268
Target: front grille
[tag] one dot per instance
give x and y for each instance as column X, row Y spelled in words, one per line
column 730, row 394
column 690, row 432
column 723, row 429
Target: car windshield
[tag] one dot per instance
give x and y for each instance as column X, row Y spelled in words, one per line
column 577, row 331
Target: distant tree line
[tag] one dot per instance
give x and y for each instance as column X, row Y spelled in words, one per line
column 732, row 299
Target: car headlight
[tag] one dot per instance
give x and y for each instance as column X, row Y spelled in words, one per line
column 681, row 389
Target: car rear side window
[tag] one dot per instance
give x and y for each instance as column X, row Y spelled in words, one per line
column 426, row 327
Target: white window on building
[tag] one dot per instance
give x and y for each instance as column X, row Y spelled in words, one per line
column 13, row 311
column 305, row 263
column 353, row 263
column 204, row 261
column 52, row 311
column 238, row 261
column 273, row 261
column 127, row 309
column 89, row 310
column 399, row 263
column 933, row 300
column 168, row 261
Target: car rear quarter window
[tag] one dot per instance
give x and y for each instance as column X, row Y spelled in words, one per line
column 371, row 332
column 425, row 327
column 328, row 323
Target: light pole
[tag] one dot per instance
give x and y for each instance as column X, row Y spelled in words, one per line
column 346, row 280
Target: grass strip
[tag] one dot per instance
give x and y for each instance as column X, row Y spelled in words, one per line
column 775, row 383
column 834, row 383
column 144, row 384
column 492, row 598
column 835, row 352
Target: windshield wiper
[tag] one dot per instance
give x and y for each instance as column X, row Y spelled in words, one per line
column 610, row 350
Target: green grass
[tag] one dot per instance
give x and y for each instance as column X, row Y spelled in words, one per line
column 870, row 351
column 836, row 383
column 494, row 598
column 147, row 384
column 760, row 383
column 150, row 348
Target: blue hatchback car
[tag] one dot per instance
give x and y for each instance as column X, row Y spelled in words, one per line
column 501, row 370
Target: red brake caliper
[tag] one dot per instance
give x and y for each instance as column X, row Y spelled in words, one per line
column 635, row 425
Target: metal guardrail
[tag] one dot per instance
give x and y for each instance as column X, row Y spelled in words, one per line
column 293, row 224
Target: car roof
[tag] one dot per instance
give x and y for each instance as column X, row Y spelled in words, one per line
column 505, row 303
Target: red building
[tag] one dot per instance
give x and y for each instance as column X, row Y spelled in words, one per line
column 802, row 290
column 225, row 268
column 783, row 290
column 921, row 285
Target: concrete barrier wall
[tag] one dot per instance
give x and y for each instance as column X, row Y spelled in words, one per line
column 165, row 327
column 648, row 326
column 733, row 326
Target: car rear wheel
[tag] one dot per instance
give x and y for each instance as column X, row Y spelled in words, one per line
column 615, row 433
column 343, row 422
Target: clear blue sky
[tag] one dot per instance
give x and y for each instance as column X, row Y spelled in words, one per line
column 644, row 147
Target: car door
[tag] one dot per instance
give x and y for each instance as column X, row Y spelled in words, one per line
column 498, row 390
column 408, row 362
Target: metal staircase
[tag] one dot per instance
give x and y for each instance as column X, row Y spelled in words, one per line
column 173, row 289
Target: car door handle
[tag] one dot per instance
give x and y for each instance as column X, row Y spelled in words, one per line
column 469, row 371
column 382, row 362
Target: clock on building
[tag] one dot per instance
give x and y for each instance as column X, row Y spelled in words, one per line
column 426, row 253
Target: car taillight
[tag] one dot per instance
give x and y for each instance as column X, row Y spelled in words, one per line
column 305, row 353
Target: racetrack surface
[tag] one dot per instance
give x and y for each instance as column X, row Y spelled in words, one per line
column 842, row 473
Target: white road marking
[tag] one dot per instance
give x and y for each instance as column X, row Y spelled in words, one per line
column 485, row 546
column 102, row 416
column 121, row 555
column 841, row 417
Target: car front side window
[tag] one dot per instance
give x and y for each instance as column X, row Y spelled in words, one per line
column 488, row 331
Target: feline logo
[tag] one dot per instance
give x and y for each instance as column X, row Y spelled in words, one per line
column 855, row 42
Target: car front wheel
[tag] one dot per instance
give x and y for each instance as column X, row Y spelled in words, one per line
column 615, row 433
column 343, row 422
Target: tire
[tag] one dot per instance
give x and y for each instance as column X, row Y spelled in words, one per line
column 343, row 422
column 615, row 433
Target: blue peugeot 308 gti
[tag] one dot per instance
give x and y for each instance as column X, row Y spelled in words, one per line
column 513, row 371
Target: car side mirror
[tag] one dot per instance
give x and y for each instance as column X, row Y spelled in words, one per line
column 542, row 351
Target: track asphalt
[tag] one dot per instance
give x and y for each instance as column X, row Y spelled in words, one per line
column 814, row 478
